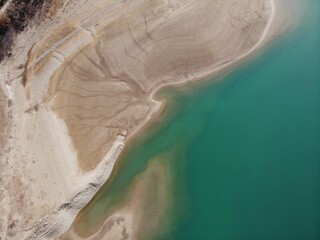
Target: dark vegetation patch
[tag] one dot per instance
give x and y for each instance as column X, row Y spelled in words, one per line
column 2, row 2
column 16, row 18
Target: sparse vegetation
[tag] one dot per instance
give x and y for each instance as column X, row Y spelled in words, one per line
column 15, row 18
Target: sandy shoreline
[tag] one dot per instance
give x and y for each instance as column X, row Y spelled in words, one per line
column 41, row 124
column 127, row 215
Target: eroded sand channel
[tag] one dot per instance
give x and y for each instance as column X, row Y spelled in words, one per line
column 104, row 90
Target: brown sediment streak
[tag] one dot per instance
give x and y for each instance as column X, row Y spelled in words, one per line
column 26, row 68
column 3, row 119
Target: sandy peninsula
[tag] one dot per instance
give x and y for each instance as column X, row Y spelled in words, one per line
column 80, row 83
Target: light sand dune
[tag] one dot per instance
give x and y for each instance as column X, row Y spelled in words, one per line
column 82, row 82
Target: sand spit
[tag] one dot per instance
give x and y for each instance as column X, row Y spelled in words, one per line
column 81, row 83
column 132, row 219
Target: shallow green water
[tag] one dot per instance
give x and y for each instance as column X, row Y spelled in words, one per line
column 246, row 149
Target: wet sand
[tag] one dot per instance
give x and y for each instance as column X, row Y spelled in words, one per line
column 133, row 218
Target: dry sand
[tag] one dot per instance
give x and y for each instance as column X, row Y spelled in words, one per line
column 81, row 83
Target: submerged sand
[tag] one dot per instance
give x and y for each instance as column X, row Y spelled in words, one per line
column 82, row 84
column 133, row 217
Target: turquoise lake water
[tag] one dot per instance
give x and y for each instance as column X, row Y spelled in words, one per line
column 245, row 150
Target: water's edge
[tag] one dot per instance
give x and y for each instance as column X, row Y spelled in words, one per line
column 162, row 140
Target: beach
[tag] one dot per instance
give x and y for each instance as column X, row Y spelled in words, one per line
column 239, row 149
column 75, row 95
